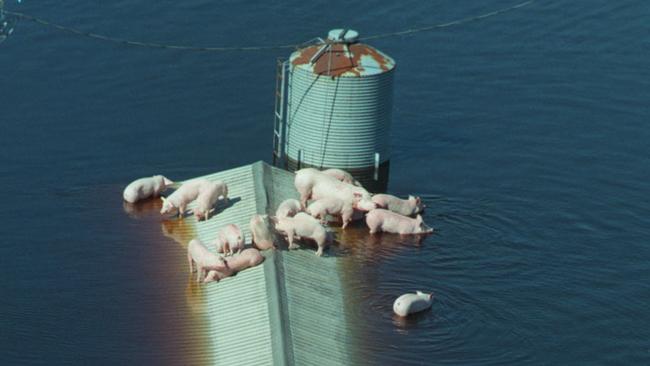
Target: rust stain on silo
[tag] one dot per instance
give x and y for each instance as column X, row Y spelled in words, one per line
column 340, row 59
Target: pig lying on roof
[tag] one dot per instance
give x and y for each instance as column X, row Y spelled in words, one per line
column 250, row 257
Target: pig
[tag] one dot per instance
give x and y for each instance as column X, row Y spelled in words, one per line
column 198, row 254
column 262, row 236
column 183, row 196
column 250, row 257
column 305, row 180
column 342, row 175
column 390, row 222
column 209, row 193
column 331, row 206
column 311, row 183
column 288, row 208
column 143, row 188
column 409, row 207
column 412, row 303
column 358, row 197
column 304, row 226
column 229, row 240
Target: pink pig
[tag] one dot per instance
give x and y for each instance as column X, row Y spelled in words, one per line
column 262, row 237
column 250, row 257
column 209, row 193
column 331, row 206
column 183, row 196
column 304, row 226
column 342, row 175
column 390, row 222
column 204, row 259
column 311, row 183
column 408, row 207
column 143, row 188
column 288, row 208
column 229, row 240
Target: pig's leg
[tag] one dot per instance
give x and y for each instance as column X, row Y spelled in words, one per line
column 211, row 276
column 199, row 270
column 290, row 239
column 304, row 197
column 189, row 259
column 346, row 217
column 320, row 241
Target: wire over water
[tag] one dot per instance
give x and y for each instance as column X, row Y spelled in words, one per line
column 250, row 48
column 449, row 24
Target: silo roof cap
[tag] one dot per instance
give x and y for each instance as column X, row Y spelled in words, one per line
column 342, row 55
column 343, row 35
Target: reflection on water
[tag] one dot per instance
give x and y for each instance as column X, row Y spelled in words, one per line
column 358, row 242
column 179, row 306
column 404, row 323
column 142, row 208
column 195, row 296
column 181, row 231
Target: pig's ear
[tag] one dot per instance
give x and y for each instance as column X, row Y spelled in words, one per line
column 411, row 198
column 168, row 182
column 163, row 199
column 418, row 200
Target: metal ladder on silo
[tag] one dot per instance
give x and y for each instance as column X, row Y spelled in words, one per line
column 280, row 109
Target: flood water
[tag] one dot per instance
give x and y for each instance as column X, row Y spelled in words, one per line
column 525, row 134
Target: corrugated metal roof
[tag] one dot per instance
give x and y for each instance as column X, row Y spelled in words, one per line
column 287, row 311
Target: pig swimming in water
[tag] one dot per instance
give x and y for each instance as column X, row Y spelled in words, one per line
column 306, row 227
column 331, row 206
column 390, row 222
column 209, row 193
column 229, row 240
column 288, row 208
column 143, row 188
column 182, row 197
column 262, row 236
column 205, row 260
column 250, row 257
column 412, row 303
column 409, row 207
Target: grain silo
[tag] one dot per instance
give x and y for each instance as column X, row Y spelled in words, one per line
column 334, row 108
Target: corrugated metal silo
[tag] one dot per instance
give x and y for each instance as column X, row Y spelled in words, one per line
column 339, row 106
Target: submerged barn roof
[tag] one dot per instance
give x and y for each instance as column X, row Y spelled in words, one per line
column 287, row 311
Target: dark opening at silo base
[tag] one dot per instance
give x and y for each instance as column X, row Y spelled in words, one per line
column 366, row 176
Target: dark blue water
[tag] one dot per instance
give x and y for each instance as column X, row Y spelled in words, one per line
column 526, row 134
